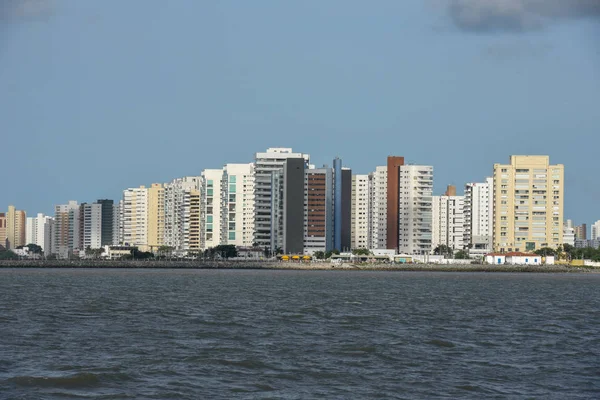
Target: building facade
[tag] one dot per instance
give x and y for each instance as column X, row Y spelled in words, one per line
column 156, row 216
column 66, row 229
column 266, row 164
column 135, row 217
column 394, row 165
column 15, row 228
column 448, row 222
column 318, row 210
column 415, row 209
column 528, row 204
column 39, row 231
column 595, row 230
column 3, row 228
column 361, row 185
column 581, row 232
column 108, row 218
column 210, row 205
column 378, row 209
column 90, row 220
column 479, row 217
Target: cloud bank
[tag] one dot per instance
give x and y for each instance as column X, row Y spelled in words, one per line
column 15, row 10
column 489, row 16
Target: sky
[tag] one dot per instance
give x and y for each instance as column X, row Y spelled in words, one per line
column 99, row 96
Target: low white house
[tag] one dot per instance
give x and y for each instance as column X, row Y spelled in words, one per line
column 513, row 258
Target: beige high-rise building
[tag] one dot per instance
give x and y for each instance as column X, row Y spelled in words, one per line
column 15, row 227
column 528, row 204
column 3, row 230
column 135, row 217
column 156, row 216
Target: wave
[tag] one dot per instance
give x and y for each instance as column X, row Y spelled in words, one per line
column 75, row 381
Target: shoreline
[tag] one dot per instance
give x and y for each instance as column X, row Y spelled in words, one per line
column 270, row 265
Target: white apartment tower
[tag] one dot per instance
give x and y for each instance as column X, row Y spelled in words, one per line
column 415, row 209
column 448, row 222
column 39, row 231
column 237, row 199
column 135, row 216
column 377, row 217
column 91, row 226
column 361, row 188
column 595, row 230
column 479, row 217
column 210, row 208
column 265, row 165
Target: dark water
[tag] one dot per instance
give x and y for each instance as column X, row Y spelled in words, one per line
column 164, row 334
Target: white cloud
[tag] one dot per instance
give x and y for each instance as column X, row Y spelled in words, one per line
column 517, row 15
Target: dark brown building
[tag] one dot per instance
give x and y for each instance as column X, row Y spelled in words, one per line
column 393, row 203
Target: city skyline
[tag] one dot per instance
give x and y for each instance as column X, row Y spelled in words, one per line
column 98, row 100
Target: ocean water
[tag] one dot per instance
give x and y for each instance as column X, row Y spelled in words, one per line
column 196, row 334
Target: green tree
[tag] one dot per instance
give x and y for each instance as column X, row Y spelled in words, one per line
column 462, row 255
column 8, row 255
column 545, row 251
column 361, row 252
column 33, row 248
column 442, row 250
column 319, row 255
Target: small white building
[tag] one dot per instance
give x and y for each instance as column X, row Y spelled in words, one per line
column 513, row 258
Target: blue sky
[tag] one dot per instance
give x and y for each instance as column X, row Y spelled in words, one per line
column 98, row 96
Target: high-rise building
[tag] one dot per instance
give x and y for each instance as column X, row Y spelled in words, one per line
column 117, row 231
column 211, row 208
column 394, row 165
column 448, row 221
column 479, row 217
column 450, row 190
column 378, row 210
column 176, row 198
column 66, row 229
column 90, row 220
column 318, row 211
column 135, row 217
column 3, row 237
column 360, row 212
column 415, row 209
column 156, row 216
column 581, row 232
column 266, row 164
column 568, row 233
column 237, row 196
column 15, row 228
column 192, row 222
column 528, row 204
column 107, row 211
column 39, row 232
column 595, row 230
column 287, row 219
column 346, row 211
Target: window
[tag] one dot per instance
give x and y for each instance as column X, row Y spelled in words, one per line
column 232, row 188
column 209, row 219
column 232, row 179
column 231, row 235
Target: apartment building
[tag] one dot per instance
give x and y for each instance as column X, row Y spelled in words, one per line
column 135, row 217
column 479, row 217
column 66, row 232
column 15, row 228
column 378, row 210
column 90, row 220
column 210, row 205
column 266, row 164
column 361, row 187
column 448, row 221
column 528, row 204
column 156, row 216
column 39, row 231
column 415, row 209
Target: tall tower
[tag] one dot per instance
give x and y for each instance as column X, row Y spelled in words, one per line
column 393, row 203
column 528, row 204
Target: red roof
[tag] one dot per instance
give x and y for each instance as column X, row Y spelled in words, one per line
column 513, row 254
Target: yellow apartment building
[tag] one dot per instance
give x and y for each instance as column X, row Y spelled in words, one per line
column 528, row 204
column 156, row 216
